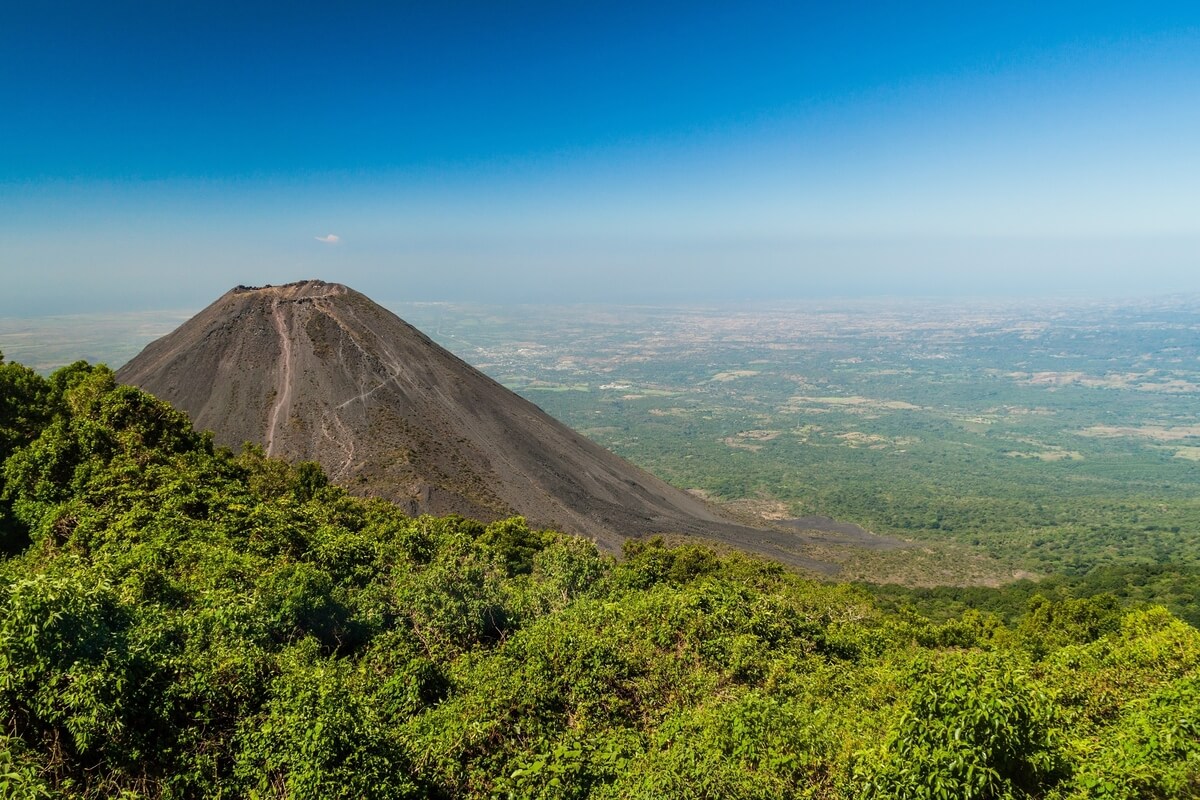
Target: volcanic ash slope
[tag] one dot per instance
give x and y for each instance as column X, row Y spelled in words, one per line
column 317, row 371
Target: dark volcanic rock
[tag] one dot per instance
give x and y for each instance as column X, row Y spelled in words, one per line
column 317, row 371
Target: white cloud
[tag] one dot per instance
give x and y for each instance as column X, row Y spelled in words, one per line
column 332, row 238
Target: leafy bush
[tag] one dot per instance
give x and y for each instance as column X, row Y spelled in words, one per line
column 975, row 727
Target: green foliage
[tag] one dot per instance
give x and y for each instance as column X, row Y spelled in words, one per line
column 25, row 406
column 650, row 561
column 318, row 735
column 975, row 728
column 1170, row 585
column 577, row 766
column 515, row 542
column 751, row 746
column 20, row 777
column 1155, row 752
column 182, row 621
column 75, row 669
column 1052, row 625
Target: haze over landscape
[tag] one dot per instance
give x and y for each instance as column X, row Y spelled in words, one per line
column 152, row 156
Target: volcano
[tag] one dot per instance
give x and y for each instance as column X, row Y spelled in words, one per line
column 317, row 371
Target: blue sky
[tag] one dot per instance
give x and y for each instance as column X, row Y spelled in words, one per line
column 153, row 155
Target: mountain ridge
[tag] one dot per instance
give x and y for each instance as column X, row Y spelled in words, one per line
column 317, row 371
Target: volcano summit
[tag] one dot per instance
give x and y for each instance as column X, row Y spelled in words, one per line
column 317, row 371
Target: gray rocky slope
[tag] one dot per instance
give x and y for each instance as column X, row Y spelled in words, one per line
column 317, row 371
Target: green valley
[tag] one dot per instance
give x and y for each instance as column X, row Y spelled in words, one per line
column 1028, row 439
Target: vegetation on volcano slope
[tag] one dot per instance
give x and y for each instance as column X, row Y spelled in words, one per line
column 180, row 621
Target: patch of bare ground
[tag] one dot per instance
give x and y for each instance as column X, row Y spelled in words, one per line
column 920, row 565
column 905, row 563
column 749, row 510
column 1155, row 433
column 1149, row 381
column 733, row 375
column 853, row 404
column 1053, row 454
column 914, row 565
column 751, row 440
column 874, row 441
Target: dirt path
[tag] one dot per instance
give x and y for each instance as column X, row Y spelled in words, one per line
column 283, row 387
column 344, row 441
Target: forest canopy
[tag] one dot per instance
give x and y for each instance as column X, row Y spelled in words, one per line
column 179, row 620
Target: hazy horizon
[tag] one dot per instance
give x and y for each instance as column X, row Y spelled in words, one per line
column 92, row 307
column 48, row 341
column 155, row 156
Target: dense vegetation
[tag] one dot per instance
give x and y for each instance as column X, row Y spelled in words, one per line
column 178, row 620
column 1052, row 440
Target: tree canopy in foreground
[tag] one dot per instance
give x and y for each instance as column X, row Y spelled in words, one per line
column 177, row 620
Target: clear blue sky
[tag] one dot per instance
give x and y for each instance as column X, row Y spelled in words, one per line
column 153, row 154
